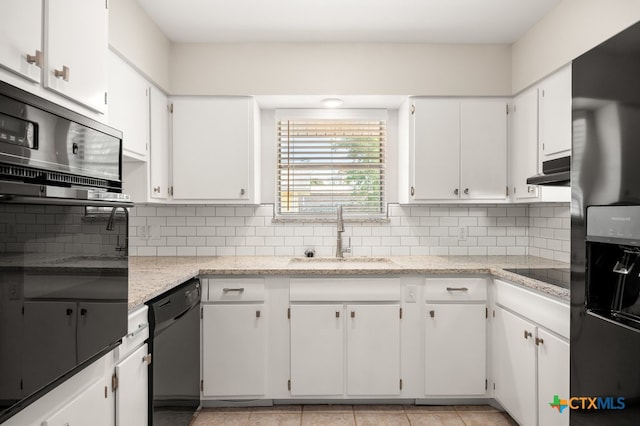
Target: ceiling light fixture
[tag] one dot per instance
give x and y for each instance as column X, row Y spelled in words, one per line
column 332, row 102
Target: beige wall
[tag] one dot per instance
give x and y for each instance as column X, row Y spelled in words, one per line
column 569, row 30
column 137, row 38
column 340, row 69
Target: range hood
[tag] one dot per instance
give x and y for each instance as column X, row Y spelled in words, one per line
column 555, row 172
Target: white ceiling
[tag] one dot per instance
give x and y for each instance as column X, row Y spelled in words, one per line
column 397, row 21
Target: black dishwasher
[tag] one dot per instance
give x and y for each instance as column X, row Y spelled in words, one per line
column 174, row 342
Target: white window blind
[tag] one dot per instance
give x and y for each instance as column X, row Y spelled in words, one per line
column 326, row 163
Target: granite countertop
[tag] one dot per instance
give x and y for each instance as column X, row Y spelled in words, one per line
column 152, row 276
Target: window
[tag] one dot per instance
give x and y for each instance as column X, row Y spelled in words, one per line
column 323, row 163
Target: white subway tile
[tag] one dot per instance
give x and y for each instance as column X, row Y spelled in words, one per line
column 496, row 231
column 400, row 251
column 487, row 241
column 312, row 241
column 523, row 241
column 506, row 241
column 254, row 241
column 497, row 211
column 420, row 251
column 409, row 221
column 477, row 251
column 409, row 241
column 477, row 231
column 265, row 251
column 546, row 254
column 264, row 231
column 166, row 211
column 225, row 232
column 176, row 221
column 167, row 251
column 245, row 251
column 420, row 211
column 439, row 251
column 380, row 251
column 562, row 234
column 284, row 251
column 147, row 251
column 429, row 221
column 225, row 211
column 234, row 221
column 284, row 231
column 274, row 241
column 546, row 233
column 448, row 221
column 206, row 231
column 245, row 211
column 390, row 241
column 246, row 231
column 185, row 211
column 187, row 251
column 145, row 211
column 215, row 221
column 215, row 251
column 517, row 232
column 540, row 243
column 395, row 210
column 254, row 221
column 186, row 231
column 400, row 231
column 235, row 241
column 439, row 211
column 487, row 221
column 497, row 251
column 429, row 241
column 196, row 221
column 203, row 211
column 516, row 211
column 168, row 231
column 468, row 221
column 516, row 251
column 216, row 241
column 478, row 211
column 303, row 231
column 361, row 251
column 458, row 251
column 506, row 221
column 449, row 241
column 264, row 211
column 293, row 241
column 176, row 241
column 196, row 241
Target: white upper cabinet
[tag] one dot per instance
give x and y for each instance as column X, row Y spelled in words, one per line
column 159, row 138
column 129, row 107
column 524, row 144
column 554, row 94
column 454, row 149
column 483, row 149
column 216, row 149
column 21, row 35
column 435, row 138
column 76, row 43
column 540, row 131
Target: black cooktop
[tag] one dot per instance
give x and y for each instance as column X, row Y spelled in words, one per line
column 560, row 277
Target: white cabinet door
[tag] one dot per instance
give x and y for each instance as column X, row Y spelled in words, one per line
column 21, row 35
column 555, row 114
column 483, row 149
column 524, row 144
column 132, row 393
column 76, row 43
column 233, row 350
column 435, row 135
column 553, row 378
column 373, row 350
column 129, row 107
column 515, row 366
column 92, row 407
column 212, row 155
column 317, row 350
column 159, row 158
column 455, row 349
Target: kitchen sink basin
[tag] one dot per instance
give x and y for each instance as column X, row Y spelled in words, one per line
column 350, row 259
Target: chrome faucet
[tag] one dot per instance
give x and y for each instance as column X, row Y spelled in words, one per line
column 340, row 250
column 112, row 218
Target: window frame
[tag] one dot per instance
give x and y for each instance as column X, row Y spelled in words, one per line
column 331, row 114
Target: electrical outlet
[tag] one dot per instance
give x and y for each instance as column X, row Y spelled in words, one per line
column 143, row 232
column 462, row 233
column 411, row 296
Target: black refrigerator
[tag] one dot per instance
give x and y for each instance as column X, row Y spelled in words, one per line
column 605, row 233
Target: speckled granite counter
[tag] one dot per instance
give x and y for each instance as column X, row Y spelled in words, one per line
column 151, row 276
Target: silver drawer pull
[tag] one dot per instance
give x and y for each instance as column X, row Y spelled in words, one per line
column 139, row 329
column 457, row 289
column 229, row 290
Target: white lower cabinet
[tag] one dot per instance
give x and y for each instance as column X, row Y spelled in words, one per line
column 234, row 338
column 553, row 378
column 455, row 349
column 132, row 392
column 515, row 361
column 317, row 350
column 373, row 349
column 320, row 357
column 531, row 355
column 92, row 407
column 233, row 350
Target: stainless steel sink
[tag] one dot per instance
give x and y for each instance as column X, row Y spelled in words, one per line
column 350, row 259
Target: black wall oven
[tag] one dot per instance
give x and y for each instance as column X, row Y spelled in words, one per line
column 63, row 246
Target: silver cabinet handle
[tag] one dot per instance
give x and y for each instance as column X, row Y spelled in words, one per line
column 147, row 359
column 527, row 334
column 139, row 329
column 531, row 189
column 413, row 191
column 63, row 73
column 457, row 289
column 229, row 290
column 156, row 189
column 35, row 59
column 456, row 192
column 466, row 191
column 539, row 341
column 242, row 191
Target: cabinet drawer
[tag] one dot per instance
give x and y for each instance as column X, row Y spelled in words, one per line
column 137, row 331
column 550, row 313
column 235, row 290
column 456, row 289
column 339, row 289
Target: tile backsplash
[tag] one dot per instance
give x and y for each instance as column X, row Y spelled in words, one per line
column 187, row 230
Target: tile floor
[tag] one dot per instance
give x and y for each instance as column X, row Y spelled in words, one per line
column 352, row 415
